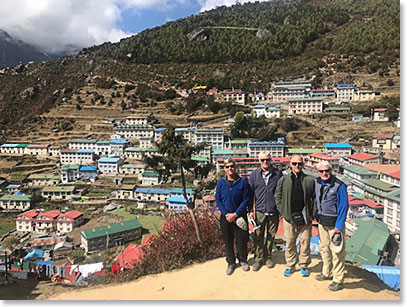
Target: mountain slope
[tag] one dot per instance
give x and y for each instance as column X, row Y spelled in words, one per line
column 13, row 52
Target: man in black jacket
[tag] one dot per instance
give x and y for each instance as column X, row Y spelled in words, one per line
column 263, row 182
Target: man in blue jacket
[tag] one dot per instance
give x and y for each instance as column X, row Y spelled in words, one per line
column 263, row 182
column 332, row 208
column 232, row 197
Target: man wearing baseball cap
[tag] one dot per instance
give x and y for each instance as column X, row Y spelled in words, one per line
column 332, row 208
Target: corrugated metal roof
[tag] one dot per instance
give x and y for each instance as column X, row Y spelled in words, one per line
column 108, row 160
column 337, row 145
column 110, row 229
column 367, row 242
column 15, row 198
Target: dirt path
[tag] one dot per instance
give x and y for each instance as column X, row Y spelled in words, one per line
column 208, row 281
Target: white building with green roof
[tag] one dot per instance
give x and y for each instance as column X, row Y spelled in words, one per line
column 150, row 177
column 15, row 202
column 70, row 173
column 105, row 237
column 42, row 180
column 57, row 193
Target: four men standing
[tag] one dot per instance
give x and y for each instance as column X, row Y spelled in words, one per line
column 298, row 198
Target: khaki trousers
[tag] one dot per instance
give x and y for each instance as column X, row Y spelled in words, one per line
column 333, row 264
column 268, row 223
column 291, row 232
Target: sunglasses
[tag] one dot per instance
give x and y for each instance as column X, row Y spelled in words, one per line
column 297, row 163
column 324, row 171
column 265, row 160
column 229, row 166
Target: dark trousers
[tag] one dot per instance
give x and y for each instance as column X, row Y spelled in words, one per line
column 264, row 246
column 229, row 232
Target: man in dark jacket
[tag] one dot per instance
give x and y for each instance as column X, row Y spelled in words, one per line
column 332, row 208
column 232, row 197
column 295, row 201
column 263, row 182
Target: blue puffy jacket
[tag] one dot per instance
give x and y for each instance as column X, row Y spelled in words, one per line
column 234, row 198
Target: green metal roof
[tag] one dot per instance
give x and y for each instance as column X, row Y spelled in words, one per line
column 83, row 141
column 394, row 195
column 69, row 166
column 305, row 150
column 381, row 185
column 43, row 176
column 200, row 159
column 239, row 141
column 141, row 149
column 338, row 109
column 22, row 145
column 103, row 142
column 367, row 241
column 110, row 229
column 61, row 188
column 360, row 170
column 16, row 198
column 150, row 174
column 223, row 152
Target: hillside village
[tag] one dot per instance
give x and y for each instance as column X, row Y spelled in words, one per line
column 79, row 197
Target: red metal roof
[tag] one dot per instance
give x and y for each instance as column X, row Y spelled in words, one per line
column 380, row 109
column 149, row 239
column 362, row 156
column 395, row 174
column 30, row 213
column 383, row 168
column 131, row 256
column 232, row 92
column 50, row 214
column 48, row 241
column 67, row 150
column 71, row 215
column 383, row 136
column 38, row 146
column 353, row 201
column 323, row 156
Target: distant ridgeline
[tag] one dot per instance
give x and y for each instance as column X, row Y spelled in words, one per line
column 265, row 31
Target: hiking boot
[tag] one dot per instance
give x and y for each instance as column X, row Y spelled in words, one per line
column 230, row 269
column 245, row 266
column 304, row 272
column 256, row 266
column 288, row 272
column 334, row 286
column 322, row 277
column 269, row 263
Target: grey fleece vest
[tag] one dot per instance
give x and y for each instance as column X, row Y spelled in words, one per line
column 264, row 194
column 327, row 196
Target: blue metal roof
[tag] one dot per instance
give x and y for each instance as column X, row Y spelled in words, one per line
column 88, row 168
column 152, row 191
column 259, row 106
column 160, row 129
column 13, row 186
column 108, row 160
column 9, row 145
column 85, row 151
column 279, row 142
column 121, row 141
column 337, row 145
column 346, row 85
column 177, row 199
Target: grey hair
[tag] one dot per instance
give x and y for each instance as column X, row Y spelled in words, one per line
column 265, row 154
column 230, row 160
column 324, row 163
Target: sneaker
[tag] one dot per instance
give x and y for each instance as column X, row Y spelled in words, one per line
column 288, row 272
column 322, row 277
column 256, row 266
column 269, row 263
column 230, row 269
column 334, row 286
column 304, row 272
column 245, row 266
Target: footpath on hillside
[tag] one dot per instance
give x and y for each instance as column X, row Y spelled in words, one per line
column 208, row 281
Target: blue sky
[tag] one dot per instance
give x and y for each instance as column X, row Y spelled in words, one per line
column 53, row 25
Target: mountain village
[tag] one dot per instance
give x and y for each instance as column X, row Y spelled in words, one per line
column 79, row 209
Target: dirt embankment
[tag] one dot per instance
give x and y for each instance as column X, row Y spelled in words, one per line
column 208, row 281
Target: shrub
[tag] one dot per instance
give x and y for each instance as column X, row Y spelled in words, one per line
column 177, row 245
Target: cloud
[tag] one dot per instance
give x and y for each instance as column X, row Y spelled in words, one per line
column 211, row 4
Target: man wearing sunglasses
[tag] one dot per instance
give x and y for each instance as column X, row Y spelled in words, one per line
column 263, row 182
column 331, row 210
column 295, row 201
column 232, row 198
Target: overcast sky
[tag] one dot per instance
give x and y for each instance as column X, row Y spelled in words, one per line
column 55, row 24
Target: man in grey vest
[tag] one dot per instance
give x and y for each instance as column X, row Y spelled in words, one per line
column 263, row 182
column 332, row 208
column 294, row 197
